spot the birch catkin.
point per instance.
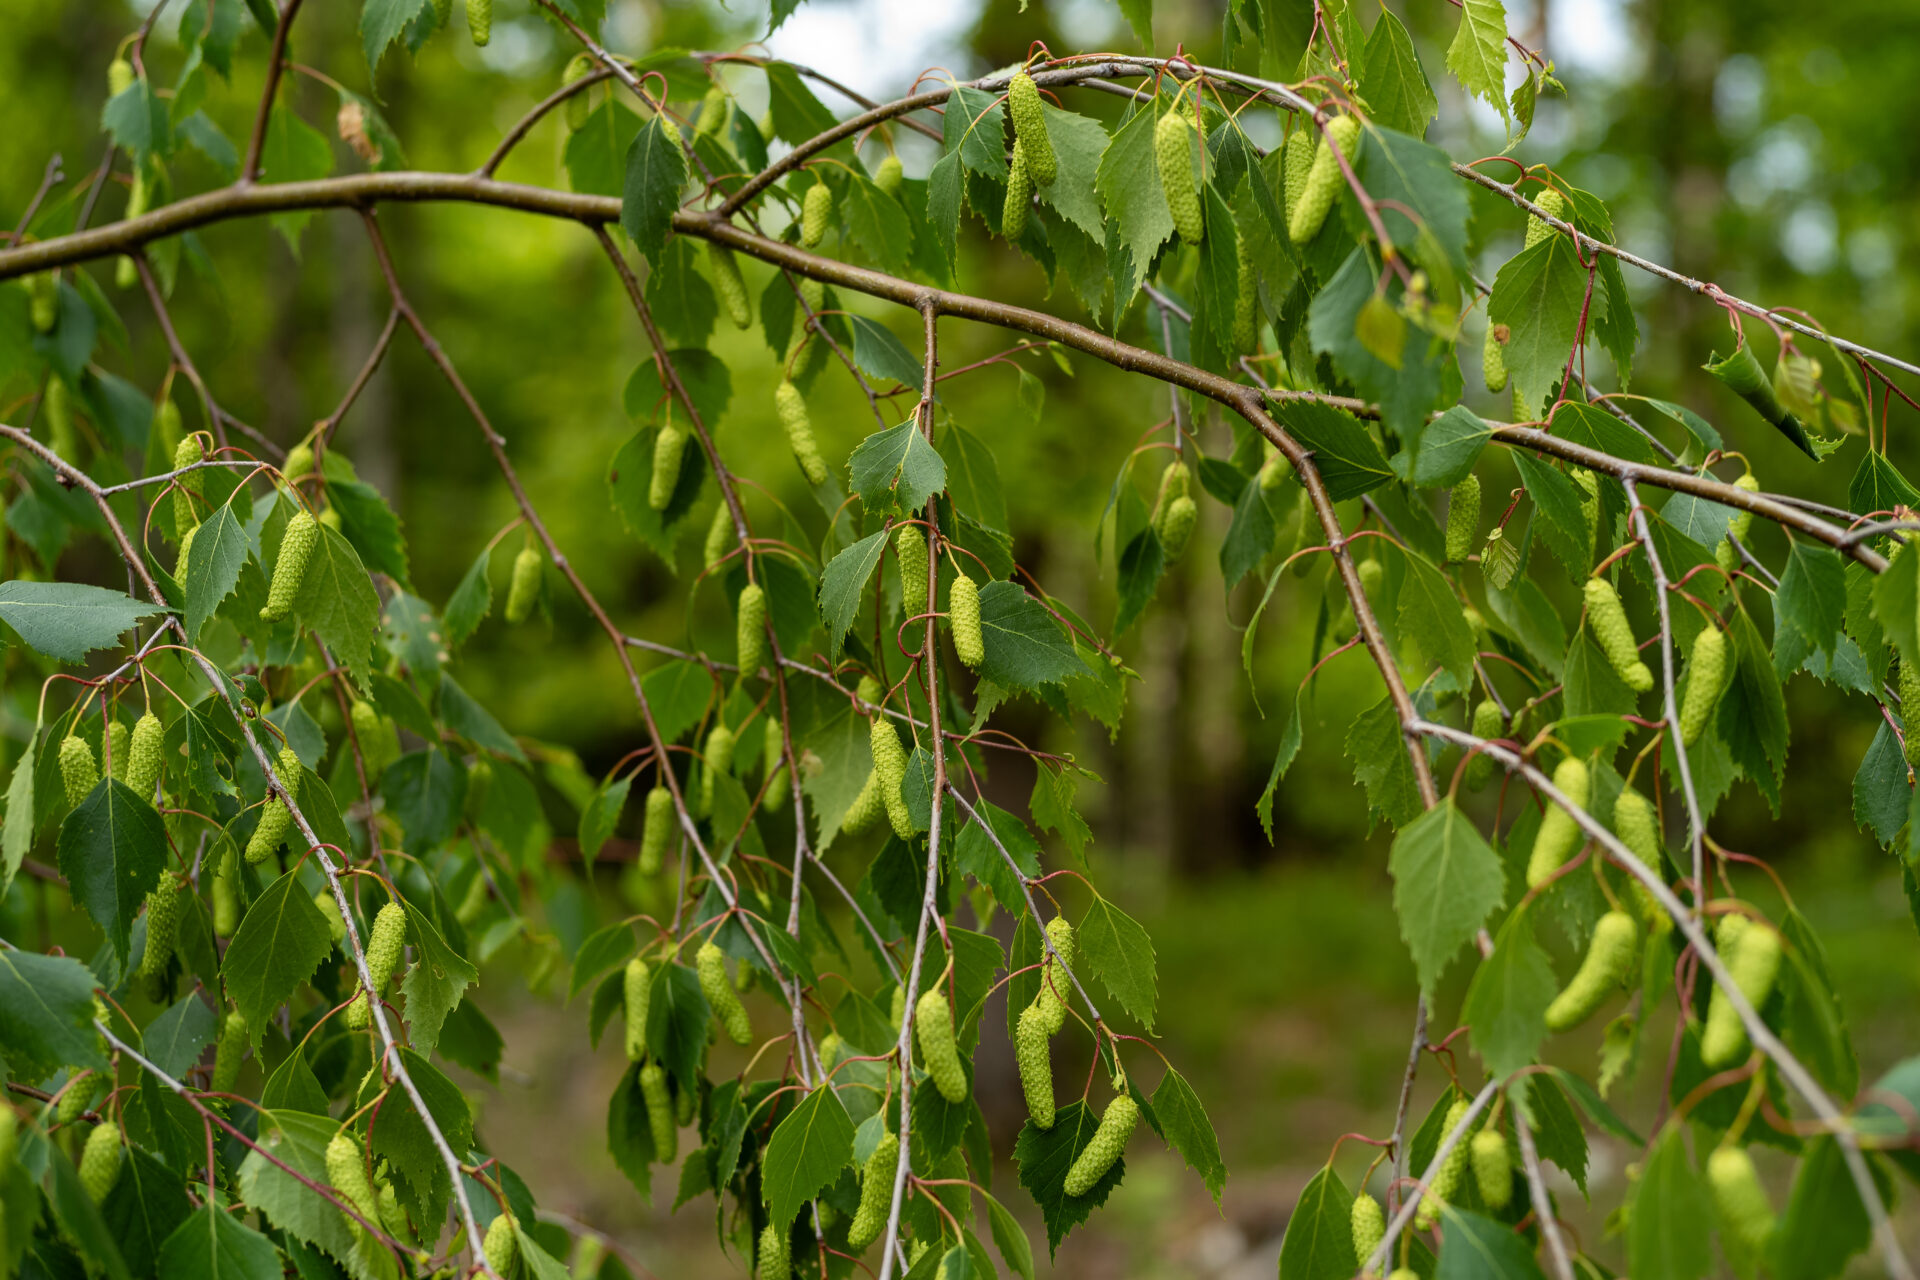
(1030, 128)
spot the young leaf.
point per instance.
(1118, 951)
(68, 620)
(808, 1150)
(112, 849)
(1446, 881)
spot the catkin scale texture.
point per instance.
(653, 1089)
(657, 831)
(79, 772)
(669, 449)
(963, 613)
(1493, 361)
(502, 1245)
(718, 758)
(1369, 1223)
(1492, 1168)
(163, 915)
(144, 755)
(1109, 1140)
(1607, 619)
(791, 407)
(816, 212)
(889, 175)
(1741, 1201)
(1446, 1179)
(710, 963)
(1706, 675)
(1036, 1066)
(1554, 204)
(1559, 835)
(773, 1260)
(228, 1050)
(636, 986)
(750, 639)
(523, 585)
(1751, 951)
(876, 1193)
(1173, 154)
(480, 21)
(1487, 723)
(347, 1174)
(186, 488)
(1463, 518)
(910, 545)
(1052, 998)
(1013, 211)
(889, 772)
(100, 1161)
(1322, 183)
(290, 567)
(939, 1053)
(1030, 128)
(1607, 964)
(727, 280)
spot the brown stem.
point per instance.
(276, 61)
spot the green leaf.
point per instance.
(977, 854)
(1026, 647)
(401, 1135)
(1878, 487)
(1349, 461)
(1380, 763)
(1448, 447)
(280, 942)
(1474, 1247)
(1880, 789)
(1666, 1239)
(293, 151)
(1478, 54)
(797, 114)
(1079, 142)
(1810, 607)
(1010, 1238)
(1184, 1124)
(112, 849)
(656, 170)
(426, 792)
(1562, 524)
(943, 205)
(595, 153)
(221, 547)
(1395, 85)
(1507, 1003)
(16, 836)
(475, 723)
(1406, 391)
(844, 583)
(1433, 617)
(1446, 881)
(877, 223)
(1557, 1130)
(1815, 1027)
(173, 1040)
(1825, 1223)
(434, 981)
(68, 620)
(1753, 711)
(46, 1014)
(897, 468)
(1318, 1244)
(881, 355)
(806, 1153)
(147, 1203)
(1537, 295)
(601, 816)
(381, 23)
(137, 120)
(1399, 169)
(1115, 949)
(299, 1141)
(1896, 602)
(1045, 1155)
(337, 602)
(1129, 182)
(215, 1245)
(1741, 373)
(470, 602)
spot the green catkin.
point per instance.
(1522, 411)
(773, 766)
(523, 585)
(1036, 1067)
(867, 807)
(1174, 512)
(1296, 165)
(125, 274)
(1745, 1212)
(1909, 683)
(816, 212)
(145, 755)
(876, 1193)
(669, 448)
(118, 739)
(1559, 835)
(711, 965)
(1608, 963)
(1493, 358)
(1724, 554)
(1369, 1223)
(729, 284)
(889, 175)
(378, 737)
(76, 1098)
(1013, 212)
(1403, 1273)
(868, 690)
(910, 545)
(79, 772)
(889, 772)
(472, 902)
(502, 1245)
(685, 1104)
(718, 758)
(1463, 519)
(1246, 299)
(1030, 128)
(1492, 1168)
(299, 462)
(1052, 998)
(392, 1217)
(43, 305)
(1322, 183)
(636, 988)
(714, 108)
(1552, 203)
(653, 1088)
(963, 612)
(750, 636)
(1173, 154)
(1589, 486)
(1109, 1140)
(1607, 619)
(275, 820)
(933, 1027)
(163, 915)
(1751, 951)
(1446, 1179)
(772, 1260)
(1486, 724)
(1637, 824)
(897, 1009)
(792, 409)
(57, 409)
(336, 924)
(290, 567)
(189, 487)
(226, 891)
(119, 77)
(720, 539)
(228, 1050)
(480, 21)
(100, 1161)
(1707, 669)
(657, 831)
(385, 942)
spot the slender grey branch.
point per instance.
(1542, 1205)
(1376, 1261)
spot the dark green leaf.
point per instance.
(1447, 880)
(1319, 1241)
(656, 170)
(112, 850)
(280, 942)
(1114, 948)
(68, 620)
(1507, 1003)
